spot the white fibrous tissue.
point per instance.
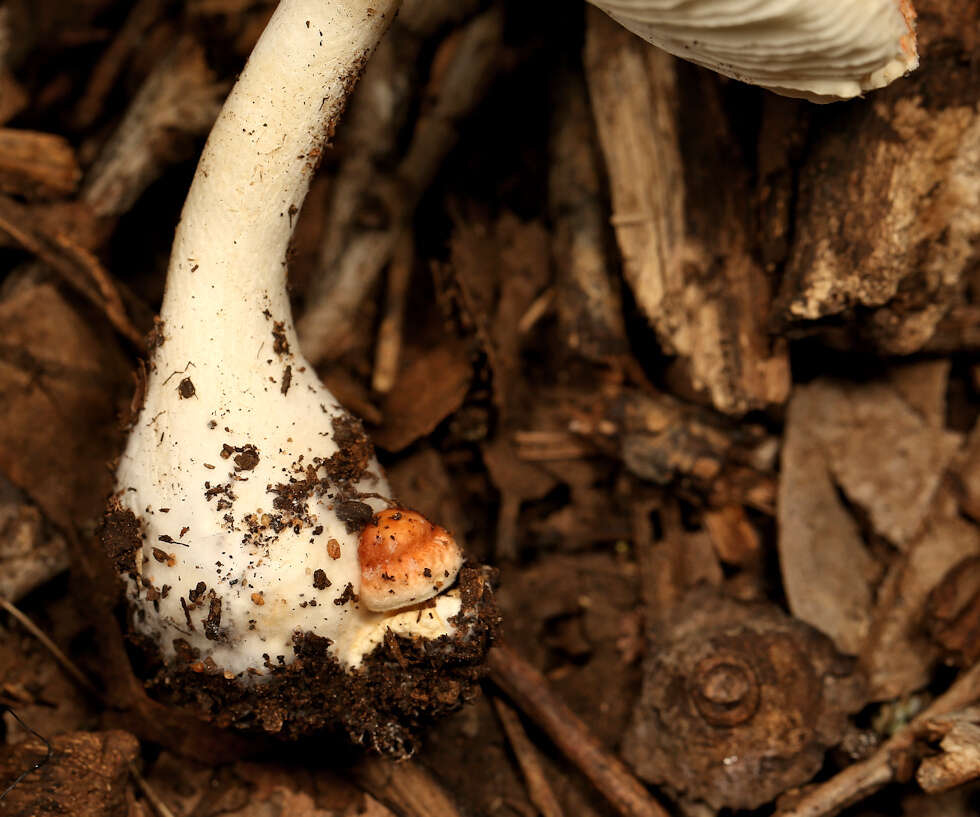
(816, 49)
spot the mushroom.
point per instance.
(816, 49)
(244, 486)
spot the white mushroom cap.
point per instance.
(816, 49)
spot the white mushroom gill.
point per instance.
(817, 49)
(249, 480)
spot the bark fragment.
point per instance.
(682, 231)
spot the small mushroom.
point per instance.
(816, 49)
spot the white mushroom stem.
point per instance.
(816, 49)
(233, 467)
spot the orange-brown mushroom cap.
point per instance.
(405, 559)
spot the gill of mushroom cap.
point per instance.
(820, 50)
(249, 508)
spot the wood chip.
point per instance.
(37, 165)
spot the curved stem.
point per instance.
(229, 253)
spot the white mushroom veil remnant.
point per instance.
(245, 492)
(816, 49)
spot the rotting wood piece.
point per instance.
(682, 230)
(889, 198)
(37, 165)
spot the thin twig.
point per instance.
(538, 788)
(389, 345)
(405, 788)
(37, 764)
(66, 663)
(529, 689)
(79, 268)
(149, 793)
(863, 779)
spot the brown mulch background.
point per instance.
(696, 367)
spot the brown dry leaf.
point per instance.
(86, 776)
(736, 541)
(898, 656)
(500, 267)
(62, 382)
(566, 615)
(517, 481)
(953, 613)
(959, 760)
(76, 265)
(922, 385)
(966, 474)
(827, 571)
(13, 97)
(428, 389)
(30, 552)
(422, 482)
(884, 456)
(37, 165)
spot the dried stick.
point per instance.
(110, 65)
(78, 267)
(529, 689)
(406, 788)
(150, 793)
(589, 306)
(351, 259)
(863, 779)
(389, 342)
(180, 98)
(63, 660)
(534, 777)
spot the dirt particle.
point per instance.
(346, 596)
(354, 451)
(354, 514)
(212, 623)
(247, 458)
(258, 599)
(186, 389)
(121, 537)
(280, 345)
(163, 557)
(320, 580)
(287, 378)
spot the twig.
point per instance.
(529, 689)
(359, 244)
(179, 99)
(66, 663)
(406, 788)
(149, 792)
(538, 788)
(37, 764)
(77, 266)
(110, 64)
(390, 331)
(863, 779)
